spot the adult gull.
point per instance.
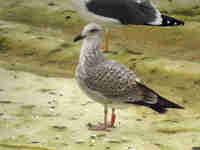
(122, 12)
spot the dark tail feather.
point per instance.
(162, 103)
(161, 106)
(156, 107)
(167, 104)
(169, 21)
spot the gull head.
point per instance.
(90, 31)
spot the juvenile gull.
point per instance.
(111, 83)
(122, 12)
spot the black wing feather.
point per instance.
(126, 11)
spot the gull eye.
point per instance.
(93, 30)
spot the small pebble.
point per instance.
(80, 141)
(89, 125)
(40, 37)
(54, 101)
(93, 141)
(15, 76)
(112, 140)
(124, 140)
(91, 145)
(67, 17)
(51, 4)
(101, 135)
(35, 142)
(52, 93)
(29, 53)
(107, 147)
(144, 116)
(138, 119)
(74, 118)
(52, 108)
(131, 148)
(59, 127)
(93, 136)
(35, 117)
(65, 144)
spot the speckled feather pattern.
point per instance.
(111, 79)
(115, 82)
(108, 81)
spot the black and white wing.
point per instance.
(138, 12)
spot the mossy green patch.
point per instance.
(40, 16)
(4, 45)
(178, 130)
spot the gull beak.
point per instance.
(78, 38)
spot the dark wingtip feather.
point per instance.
(162, 104)
(158, 108)
(170, 21)
(161, 101)
(168, 104)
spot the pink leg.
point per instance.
(101, 127)
(113, 117)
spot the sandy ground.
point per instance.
(52, 113)
(49, 112)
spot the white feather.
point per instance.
(158, 20)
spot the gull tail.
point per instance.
(162, 104)
(170, 21)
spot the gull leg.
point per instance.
(113, 118)
(107, 38)
(106, 41)
(101, 127)
(105, 115)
